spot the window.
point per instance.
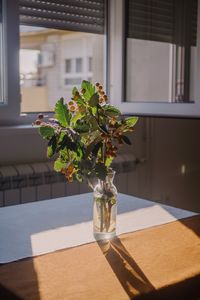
(90, 64)
(160, 41)
(68, 65)
(154, 54)
(58, 42)
(9, 59)
(79, 67)
(52, 36)
(154, 57)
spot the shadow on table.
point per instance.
(192, 223)
(136, 284)
(6, 294)
(131, 277)
(19, 281)
(186, 290)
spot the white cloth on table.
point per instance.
(37, 228)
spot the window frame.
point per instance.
(10, 113)
(117, 45)
(10, 108)
(115, 57)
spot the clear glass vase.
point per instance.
(105, 208)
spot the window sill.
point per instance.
(17, 129)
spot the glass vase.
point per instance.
(105, 208)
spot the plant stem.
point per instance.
(102, 218)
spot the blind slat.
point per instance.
(77, 15)
(156, 20)
(61, 25)
(64, 9)
(61, 16)
(62, 4)
(86, 4)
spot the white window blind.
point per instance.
(75, 15)
(161, 20)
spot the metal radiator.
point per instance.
(38, 181)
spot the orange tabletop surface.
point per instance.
(162, 262)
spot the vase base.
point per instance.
(104, 235)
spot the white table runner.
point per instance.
(41, 227)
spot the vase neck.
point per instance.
(107, 182)
(103, 184)
(109, 178)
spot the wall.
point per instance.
(171, 171)
(168, 150)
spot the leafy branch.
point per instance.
(85, 133)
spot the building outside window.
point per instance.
(68, 65)
(90, 64)
(79, 65)
(155, 59)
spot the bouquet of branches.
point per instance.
(85, 133)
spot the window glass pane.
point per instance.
(68, 65)
(90, 64)
(53, 61)
(79, 65)
(161, 46)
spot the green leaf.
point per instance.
(131, 121)
(79, 177)
(76, 117)
(89, 89)
(92, 145)
(79, 152)
(96, 149)
(64, 155)
(59, 165)
(101, 171)
(62, 113)
(52, 144)
(126, 140)
(108, 161)
(74, 90)
(80, 102)
(111, 111)
(93, 123)
(46, 132)
(82, 127)
(67, 143)
(94, 100)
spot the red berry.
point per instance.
(40, 116)
(38, 122)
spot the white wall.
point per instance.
(166, 145)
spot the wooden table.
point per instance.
(155, 262)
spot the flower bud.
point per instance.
(40, 116)
(72, 108)
(38, 122)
